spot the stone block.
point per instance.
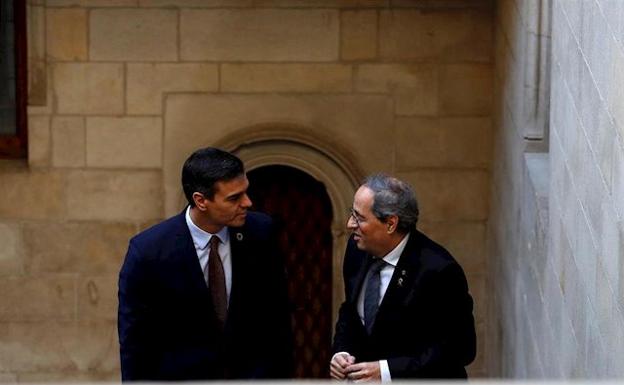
(49, 346)
(358, 34)
(285, 78)
(147, 83)
(66, 34)
(8, 378)
(443, 142)
(88, 376)
(115, 196)
(450, 195)
(322, 3)
(133, 34)
(197, 3)
(91, 3)
(31, 194)
(476, 286)
(459, 80)
(464, 240)
(89, 88)
(259, 35)
(413, 86)
(38, 298)
(12, 250)
(38, 141)
(124, 142)
(78, 247)
(348, 124)
(97, 297)
(445, 35)
(68, 141)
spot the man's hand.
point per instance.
(339, 363)
(364, 372)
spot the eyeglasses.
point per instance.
(356, 217)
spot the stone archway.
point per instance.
(271, 145)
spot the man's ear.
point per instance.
(392, 222)
(200, 201)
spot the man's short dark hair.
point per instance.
(393, 196)
(207, 166)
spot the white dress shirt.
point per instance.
(385, 275)
(201, 240)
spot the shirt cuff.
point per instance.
(385, 371)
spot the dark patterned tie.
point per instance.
(371, 296)
(216, 281)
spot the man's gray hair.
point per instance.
(393, 197)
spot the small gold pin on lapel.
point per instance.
(400, 282)
(239, 236)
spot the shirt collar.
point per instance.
(201, 238)
(393, 256)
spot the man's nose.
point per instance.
(351, 224)
(246, 202)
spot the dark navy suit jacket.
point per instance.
(167, 325)
(424, 326)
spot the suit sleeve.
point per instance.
(132, 315)
(345, 338)
(277, 362)
(453, 339)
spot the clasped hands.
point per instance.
(343, 367)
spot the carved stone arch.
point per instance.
(279, 144)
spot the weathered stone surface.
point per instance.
(444, 35)
(450, 195)
(124, 142)
(414, 86)
(22, 197)
(89, 88)
(37, 298)
(354, 125)
(59, 347)
(133, 34)
(91, 3)
(116, 196)
(464, 240)
(89, 376)
(97, 297)
(459, 80)
(285, 78)
(76, 247)
(38, 141)
(358, 35)
(68, 142)
(259, 35)
(147, 82)
(322, 3)
(197, 3)
(443, 142)
(66, 34)
(12, 250)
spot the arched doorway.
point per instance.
(301, 205)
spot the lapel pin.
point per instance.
(239, 236)
(403, 273)
(400, 282)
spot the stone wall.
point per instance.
(556, 233)
(122, 90)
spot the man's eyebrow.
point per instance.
(356, 212)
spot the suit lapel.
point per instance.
(358, 279)
(238, 253)
(185, 251)
(404, 277)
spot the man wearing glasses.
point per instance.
(407, 311)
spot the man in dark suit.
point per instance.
(203, 294)
(407, 313)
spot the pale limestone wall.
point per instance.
(556, 230)
(123, 90)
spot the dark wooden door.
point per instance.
(302, 207)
